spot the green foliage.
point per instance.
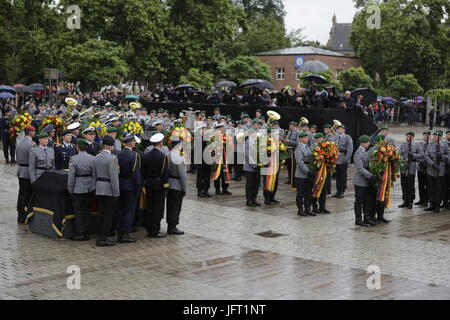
(413, 38)
(96, 63)
(243, 68)
(355, 78)
(404, 85)
(441, 95)
(198, 79)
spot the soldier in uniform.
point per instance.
(203, 181)
(291, 141)
(446, 202)
(304, 127)
(362, 180)
(303, 176)
(328, 135)
(9, 147)
(177, 189)
(217, 116)
(269, 196)
(384, 131)
(80, 184)
(156, 176)
(422, 171)
(42, 158)
(130, 186)
(112, 132)
(64, 151)
(221, 180)
(319, 205)
(36, 123)
(436, 156)
(345, 144)
(411, 154)
(251, 169)
(89, 135)
(74, 131)
(23, 154)
(107, 190)
(50, 130)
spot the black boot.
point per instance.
(256, 203)
(105, 242)
(218, 192)
(403, 205)
(125, 238)
(250, 204)
(358, 216)
(174, 231)
(81, 236)
(201, 194)
(206, 193)
(267, 202)
(273, 200)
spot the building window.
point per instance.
(281, 75)
(298, 75)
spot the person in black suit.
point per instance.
(9, 146)
(89, 135)
(64, 151)
(130, 185)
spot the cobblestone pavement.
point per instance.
(222, 257)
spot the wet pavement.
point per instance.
(233, 252)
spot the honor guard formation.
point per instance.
(123, 159)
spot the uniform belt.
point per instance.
(83, 175)
(177, 178)
(103, 180)
(23, 165)
(42, 168)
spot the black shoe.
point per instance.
(256, 203)
(158, 235)
(309, 213)
(410, 206)
(315, 210)
(429, 209)
(175, 231)
(219, 193)
(267, 202)
(250, 204)
(201, 195)
(13, 161)
(383, 220)
(361, 224)
(105, 243)
(302, 213)
(370, 223)
(337, 194)
(275, 201)
(227, 193)
(80, 237)
(323, 210)
(437, 210)
(125, 238)
(7, 161)
(112, 234)
(419, 203)
(206, 193)
(403, 205)
(341, 196)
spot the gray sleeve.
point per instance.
(183, 178)
(359, 165)
(349, 153)
(417, 154)
(114, 176)
(32, 167)
(428, 159)
(71, 176)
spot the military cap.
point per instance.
(157, 138)
(157, 122)
(384, 128)
(153, 111)
(166, 111)
(380, 138)
(244, 115)
(73, 126)
(87, 130)
(109, 141)
(304, 124)
(223, 117)
(112, 129)
(218, 125)
(42, 135)
(64, 132)
(173, 115)
(82, 142)
(275, 122)
(209, 118)
(160, 110)
(216, 109)
(302, 134)
(36, 112)
(239, 122)
(428, 133)
(259, 110)
(342, 126)
(129, 138)
(438, 133)
(447, 132)
(314, 126)
(410, 134)
(203, 111)
(197, 111)
(364, 139)
(229, 117)
(293, 123)
(48, 128)
(327, 126)
(318, 135)
(30, 128)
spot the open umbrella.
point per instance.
(37, 86)
(6, 95)
(369, 96)
(18, 85)
(313, 66)
(317, 78)
(7, 89)
(225, 83)
(257, 84)
(63, 91)
(132, 97)
(24, 89)
(184, 86)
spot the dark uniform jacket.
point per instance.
(63, 153)
(93, 149)
(130, 170)
(156, 166)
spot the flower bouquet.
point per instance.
(132, 127)
(100, 128)
(323, 163)
(17, 124)
(56, 121)
(384, 163)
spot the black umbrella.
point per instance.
(184, 86)
(225, 83)
(7, 89)
(369, 96)
(257, 84)
(314, 66)
(37, 86)
(63, 91)
(317, 78)
(24, 89)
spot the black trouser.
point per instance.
(363, 201)
(203, 178)
(252, 184)
(304, 194)
(127, 210)
(155, 210)
(174, 204)
(81, 211)
(23, 199)
(9, 149)
(288, 164)
(376, 207)
(323, 197)
(341, 177)
(106, 207)
(408, 189)
(423, 186)
(435, 190)
(221, 181)
(267, 194)
(446, 195)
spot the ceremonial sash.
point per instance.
(319, 181)
(384, 191)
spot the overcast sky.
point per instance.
(315, 16)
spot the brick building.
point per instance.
(284, 63)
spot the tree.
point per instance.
(413, 38)
(296, 37)
(243, 68)
(354, 78)
(95, 63)
(404, 85)
(198, 79)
